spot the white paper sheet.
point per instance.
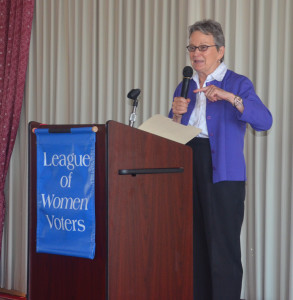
(167, 128)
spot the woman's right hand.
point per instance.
(180, 105)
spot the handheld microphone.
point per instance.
(187, 74)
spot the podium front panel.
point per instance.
(149, 216)
(143, 223)
(62, 277)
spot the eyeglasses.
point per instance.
(201, 48)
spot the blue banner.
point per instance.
(66, 192)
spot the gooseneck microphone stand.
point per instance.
(133, 94)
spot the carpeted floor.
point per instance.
(11, 295)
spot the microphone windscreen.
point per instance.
(133, 94)
(187, 72)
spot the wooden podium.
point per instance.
(144, 241)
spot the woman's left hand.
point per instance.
(214, 93)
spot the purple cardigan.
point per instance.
(227, 126)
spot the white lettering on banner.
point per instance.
(66, 225)
(65, 202)
(67, 182)
(69, 161)
(56, 202)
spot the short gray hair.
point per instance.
(209, 27)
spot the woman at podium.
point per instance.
(221, 103)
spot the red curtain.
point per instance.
(15, 31)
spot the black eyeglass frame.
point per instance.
(201, 48)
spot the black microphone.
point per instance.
(133, 94)
(187, 74)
